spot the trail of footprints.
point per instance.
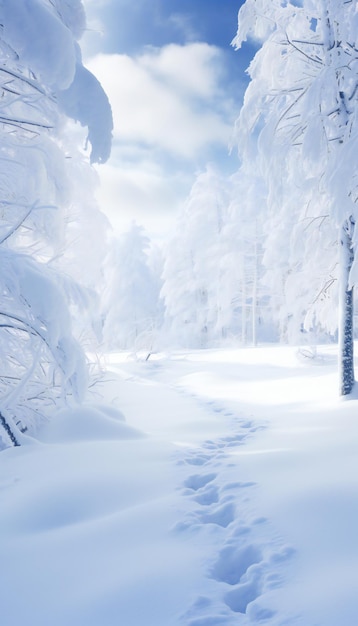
(245, 566)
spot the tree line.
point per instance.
(269, 253)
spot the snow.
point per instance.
(85, 101)
(205, 488)
(86, 423)
(36, 33)
(42, 36)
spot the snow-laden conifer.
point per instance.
(301, 110)
(132, 307)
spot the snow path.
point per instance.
(248, 559)
(228, 498)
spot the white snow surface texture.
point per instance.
(224, 491)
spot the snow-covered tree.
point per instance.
(41, 81)
(242, 269)
(193, 292)
(132, 308)
(301, 110)
(213, 289)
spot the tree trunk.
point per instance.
(345, 324)
(243, 309)
(5, 424)
(254, 291)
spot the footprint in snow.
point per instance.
(246, 592)
(226, 442)
(213, 445)
(234, 439)
(248, 564)
(210, 615)
(234, 561)
(208, 496)
(198, 459)
(222, 515)
(197, 481)
(204, 491)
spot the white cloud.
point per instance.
(166, 98)
(144, 192)
(194, 68)
(171, 115)
(183, 23)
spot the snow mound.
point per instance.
(87, 423)
(109, 411)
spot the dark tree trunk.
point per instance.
(7, 428)
(346, 311)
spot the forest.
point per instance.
(178, 418)
(267, 254)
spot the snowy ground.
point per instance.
(228, 496)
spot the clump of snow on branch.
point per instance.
(43, 366)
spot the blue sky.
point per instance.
(175, 85)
